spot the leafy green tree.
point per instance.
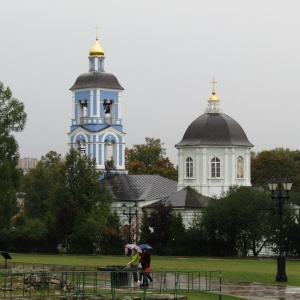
(291, 234)
(145, 230)
(69, 199)
(177, 235)
(160, 220)
(242, 220)
(12, 119)
(82, 197)
(51, 159)
(112, 241)
(195, 240)
(36, 185)
(31, 236)
(149, 158)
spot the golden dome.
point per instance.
(213, 97)
(96, 50)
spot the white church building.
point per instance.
(213, 154)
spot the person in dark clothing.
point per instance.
(145, 261)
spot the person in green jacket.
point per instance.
(135, 258)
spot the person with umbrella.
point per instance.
(145, 261)
(135, 258)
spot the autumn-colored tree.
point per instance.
(149, 158)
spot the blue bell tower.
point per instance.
(96, 125)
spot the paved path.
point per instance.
(255, 290)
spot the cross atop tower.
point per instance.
(214, 82)
(97, 32)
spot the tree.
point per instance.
(242, 220)
(112, 241)
(69, 199)
(278, 162)
(145, 230)
(195, 240)
(160, 220)
(177, 235)
(12, 119)
(149, 158)
(80, 196)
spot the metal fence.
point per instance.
(43, 282)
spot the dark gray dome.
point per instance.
(214, 130)
(97, 80)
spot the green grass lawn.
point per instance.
(250, 269)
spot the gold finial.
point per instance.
(214, 82)
(97, 32)
(96, 50)
(213, 97)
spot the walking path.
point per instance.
(255, 290)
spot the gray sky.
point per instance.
(164, 53)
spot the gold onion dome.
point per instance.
(213, 96)
(96, 50)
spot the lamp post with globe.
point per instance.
(287, 185)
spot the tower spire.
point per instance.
(213, 103)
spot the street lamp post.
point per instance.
(287, 185)
(129, 215)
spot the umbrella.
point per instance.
(133, 246)
(145, 246)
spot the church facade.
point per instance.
(214, 153)
(96, 125)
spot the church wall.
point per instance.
(202, 179)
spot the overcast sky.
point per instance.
(164, 53)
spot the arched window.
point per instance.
(189, 167)
(215, 167)
(240, 167)
(81, 146)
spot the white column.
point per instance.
(98, 103)
(181, 167)
(248, 167)
(233, 169)
(73, 105)
(90, 111)
(226, 166)
(197, 167)
(120, 105)
(116, 154)
(205, 167)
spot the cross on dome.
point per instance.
(97, 28)
(214, 82)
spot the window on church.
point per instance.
(108, 111)
(215, 167)
(189, 167)
(240, 167)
